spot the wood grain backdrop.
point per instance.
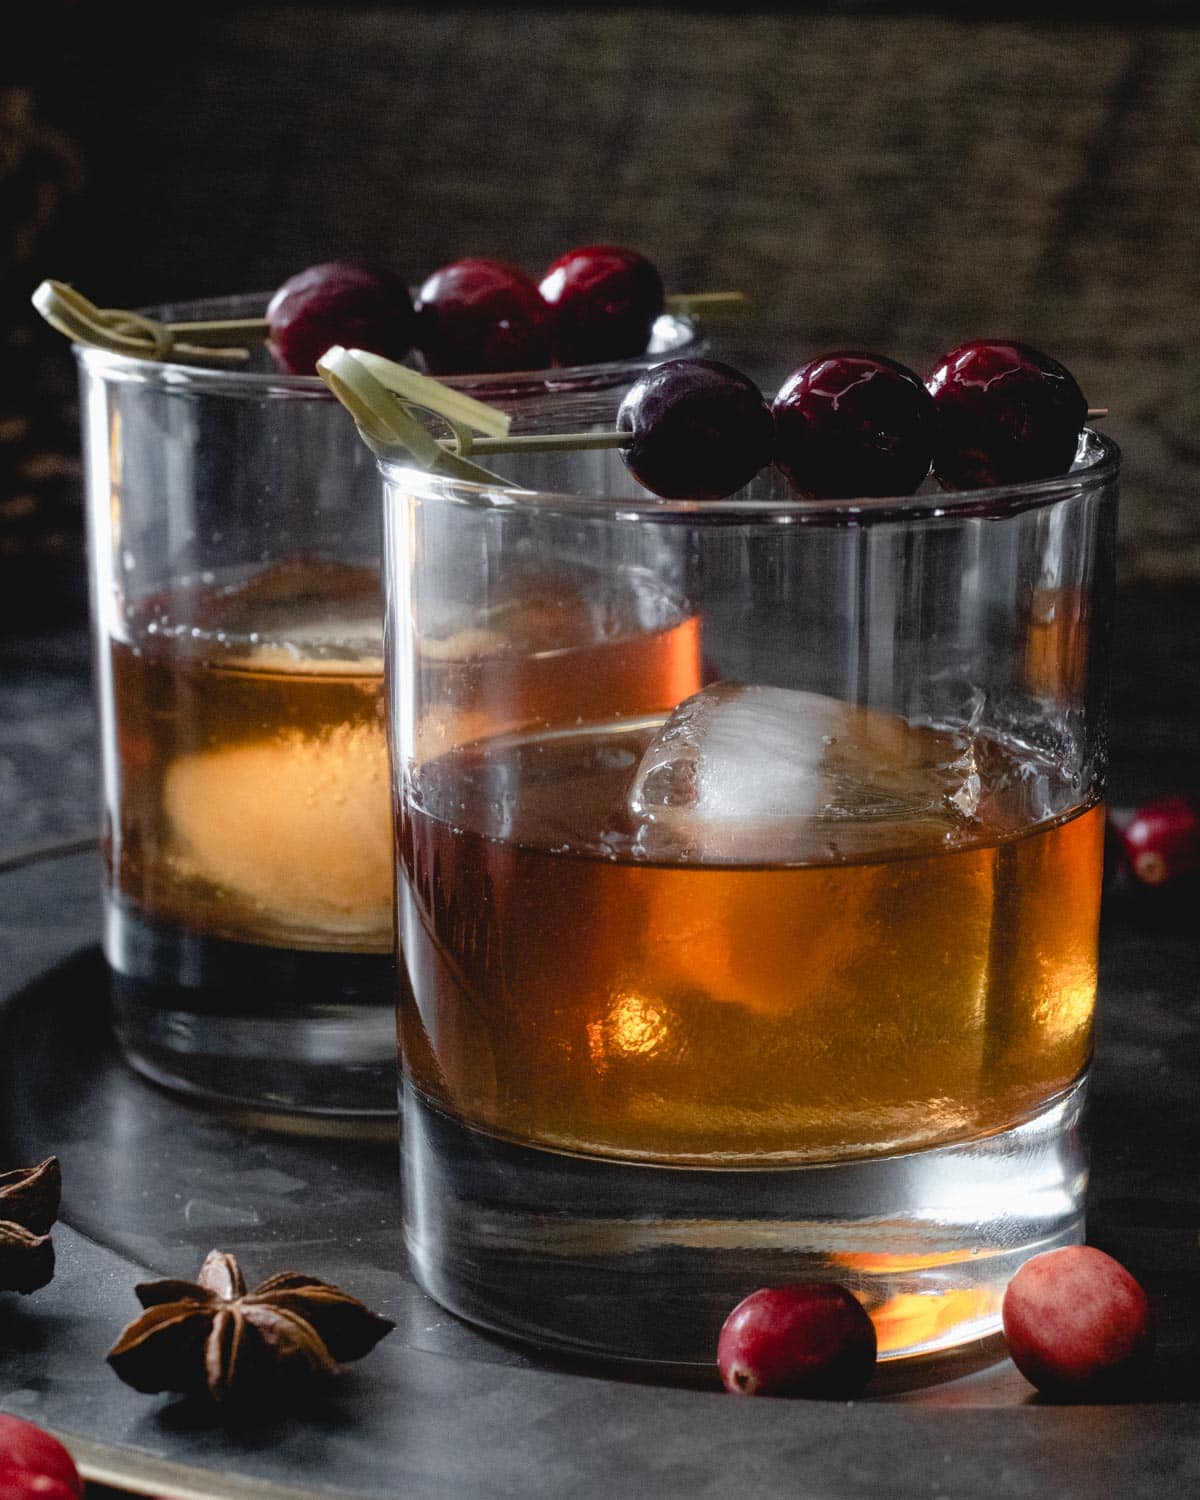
(894, 181)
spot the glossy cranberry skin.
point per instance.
(605, 300)
(1077, 1323)
(1162, 840)
(32, 1463)
(810, 1338)
(699, 430)
(851, 424)
(339, 302)
(483, 317)
(1006, 413)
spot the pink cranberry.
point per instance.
(1162, 840)
(811, 1338)
(1077, 1322)
(34, 1465)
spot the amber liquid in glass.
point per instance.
(250, 760)
(251, 768)
(572, 989)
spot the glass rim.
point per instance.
(1097, 463)
(557, 380)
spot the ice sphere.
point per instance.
(297, 825)
(767, 773)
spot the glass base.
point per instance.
(281, 1029)
(642, 1263)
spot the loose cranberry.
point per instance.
(699, 430)
(850, 424)
(339, 302)
(21, 1484)
(32, 1463)
(605, 300)
(1077, 1322)
(811, 1338)
(1162, 840)
(483, 317)
(1006, 413)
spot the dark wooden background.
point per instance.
(894, 178)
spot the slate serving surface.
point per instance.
(441, 1411)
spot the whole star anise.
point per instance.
(29, 1199)
(213, 1337)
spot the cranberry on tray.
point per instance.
(605, 300)
(850, 423)
(1006, 413)
(1077, 1323)
(698, 430)
(1161, 841)
(483, 317)
(810, 1338)
(339, 302)
(34, 1465)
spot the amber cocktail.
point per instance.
(769, 957)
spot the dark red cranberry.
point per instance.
(849, 424)
(339, 302)
(699, 430)
(1162, 840)
(1006, 413)
(1077, 1323)
(34, 1464)
(483, 317)
(811, 1338)
(605, 300)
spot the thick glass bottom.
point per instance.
(642, 1263)
(281, 1029)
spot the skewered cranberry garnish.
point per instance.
(1162, 840)
(605, 300)
(849, 424)
(1006, 413)
(34, 1465)
(339, 302)
(1077, 1322)
(483, 317)
(698, 430)
(810, 1338)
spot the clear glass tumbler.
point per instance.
(749, 871)
(235, 535)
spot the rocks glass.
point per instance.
(749, 873)
(234, 532)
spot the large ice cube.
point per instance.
(768, 773)
(296, 826)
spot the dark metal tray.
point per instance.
(442, 1412)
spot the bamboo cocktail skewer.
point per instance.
(365, 383)
(127, 332)
(368, 385)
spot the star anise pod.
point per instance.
(213, 1337)
(29, 1199)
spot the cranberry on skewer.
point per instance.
(605, 300)
(850, 424)
(483, 317)
(339, 302)
(697, 430)
(1006, 413)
